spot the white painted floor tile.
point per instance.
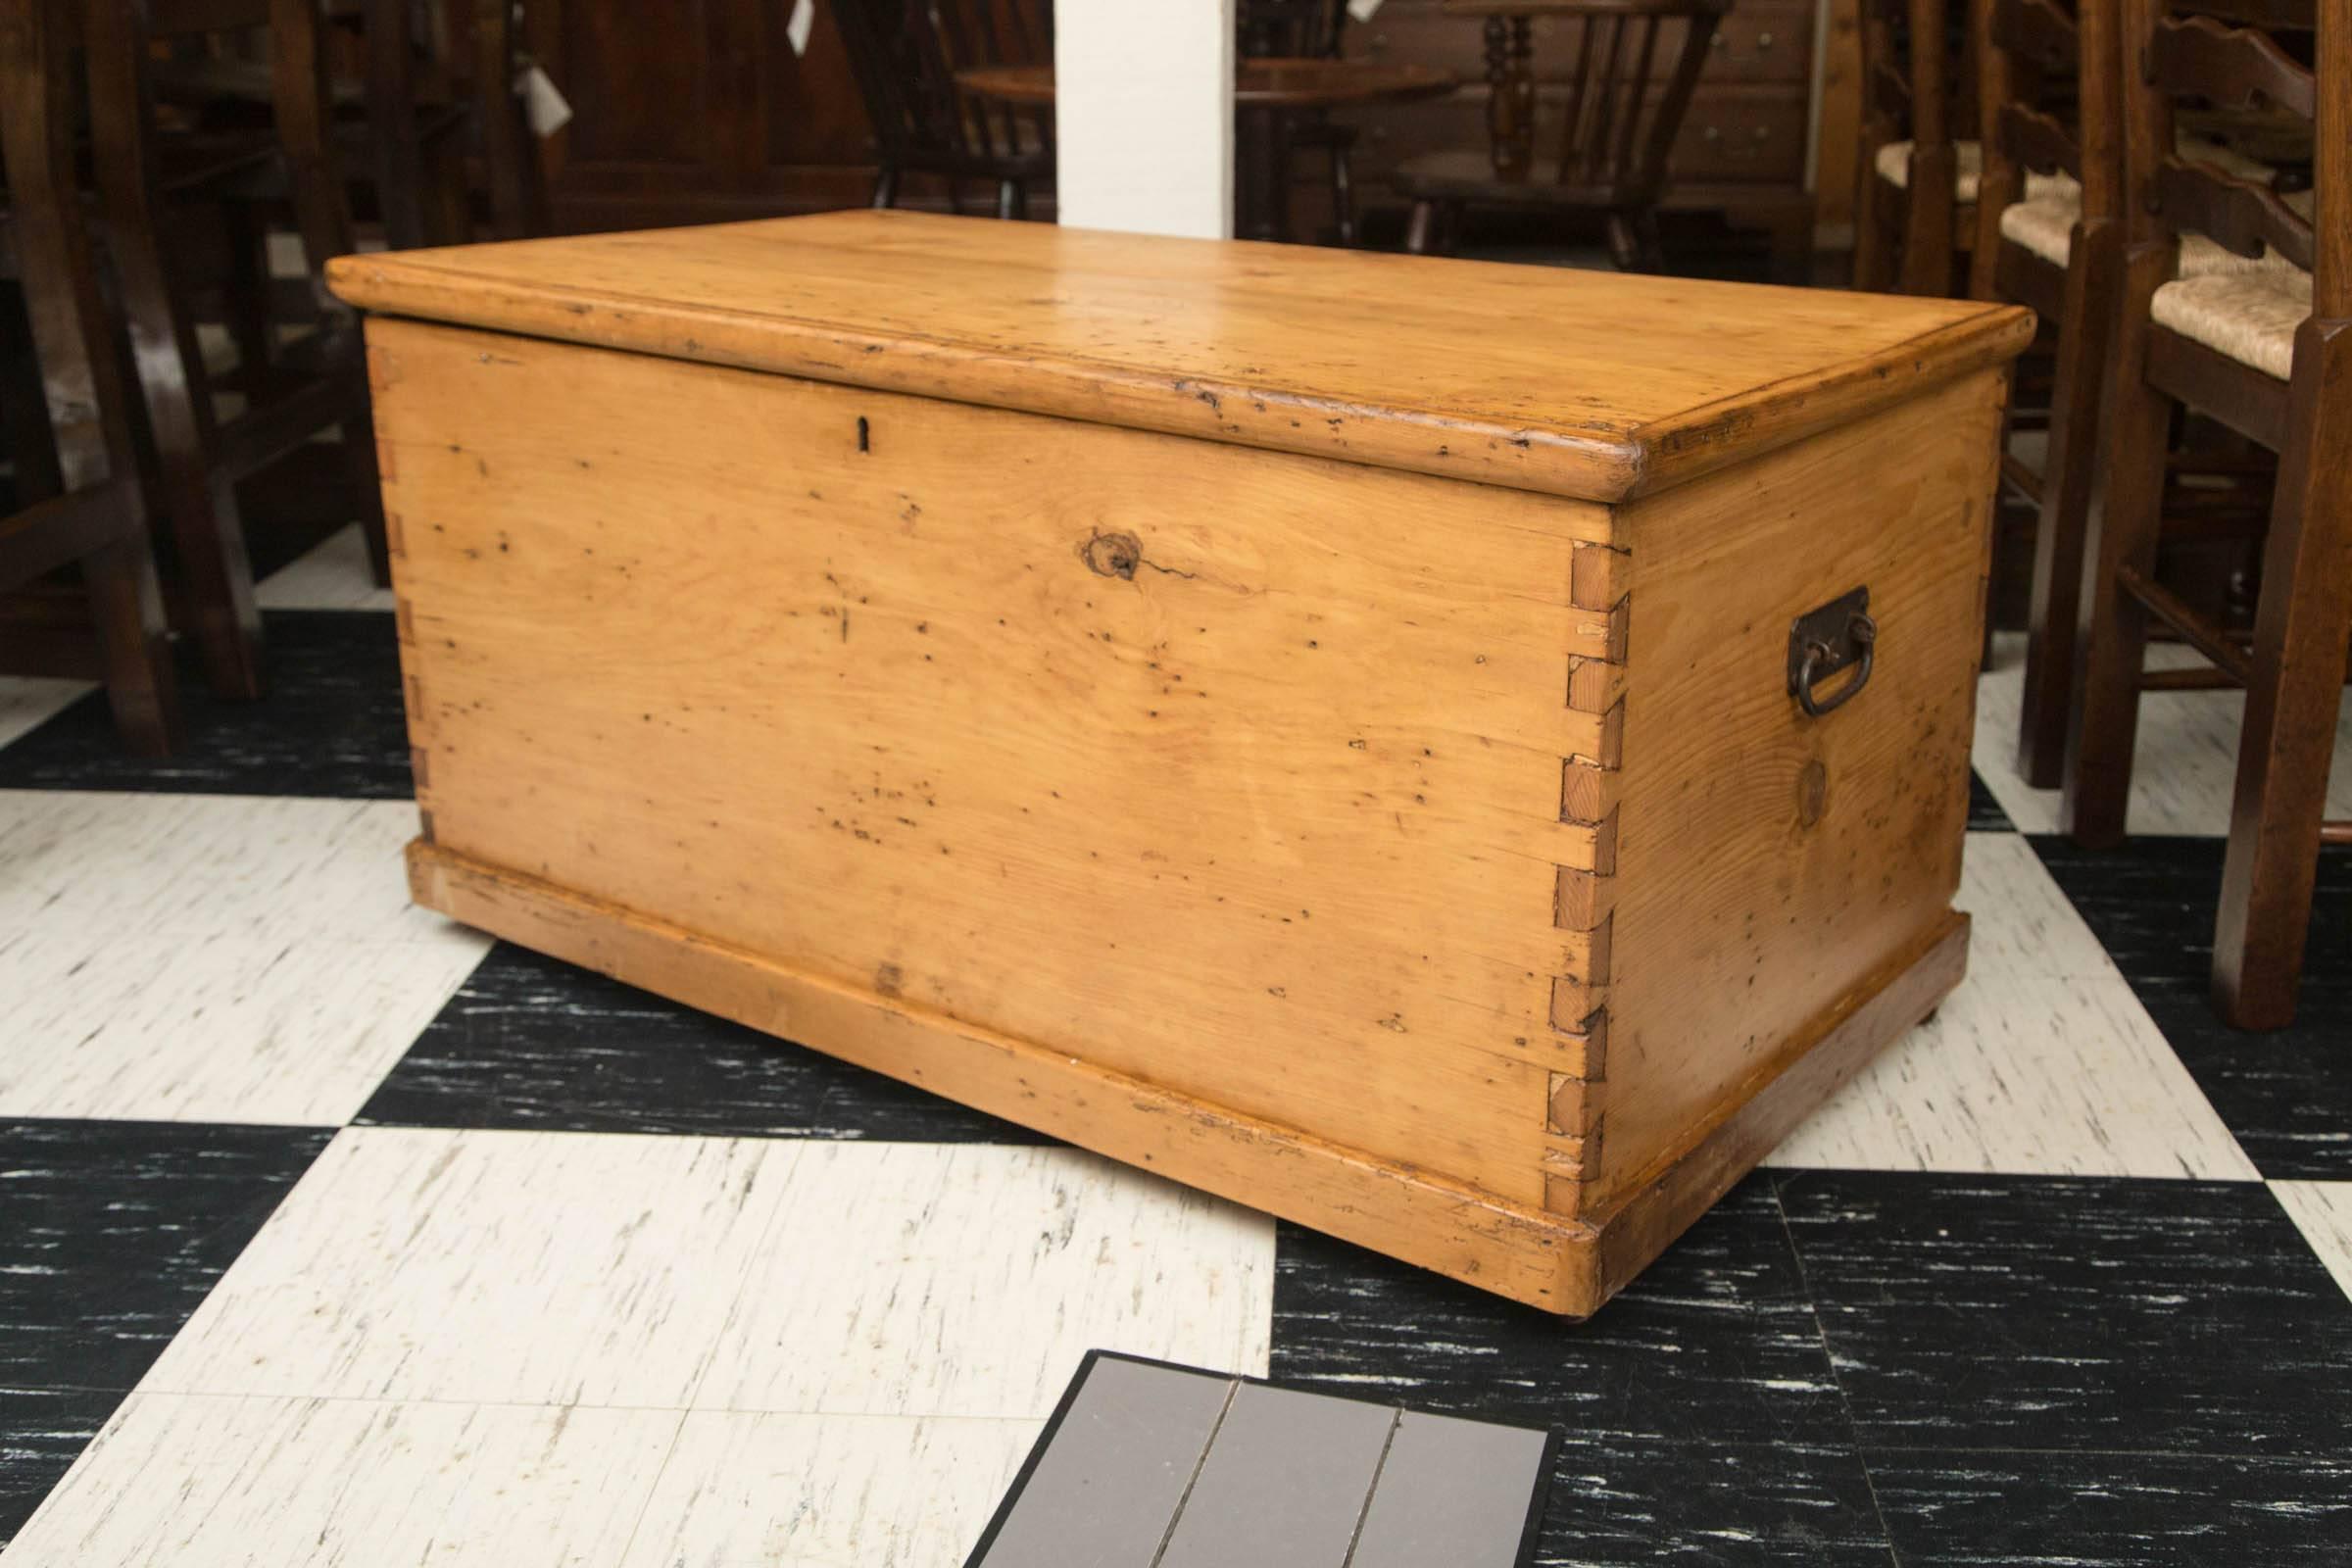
(2184, 768)
(747, 1274)
(970, 1280)
(27, 702)
(265, 867)
(213, 1028)
(210, 957)
(333, 575)
(2042, 1063)
(532, 1268)
(804, 1490)
(2322, 1212)
(209, 1481)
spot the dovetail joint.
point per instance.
(1584, 897)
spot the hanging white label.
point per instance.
(542, 106)
(796, 30)
(1365, 10)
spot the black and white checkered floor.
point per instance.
(332, 1233)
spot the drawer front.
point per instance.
(1196, 761)
(1754, 43)
(1734, 135)
(1742, 134)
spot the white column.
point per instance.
(1144, 115)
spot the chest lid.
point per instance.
(1593, 385)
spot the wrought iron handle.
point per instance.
(1863, 633)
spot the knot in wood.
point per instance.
(1812, 793)
(1112, 555)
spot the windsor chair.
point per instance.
(905, 55)
(1637, 63)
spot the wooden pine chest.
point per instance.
(1318, 725)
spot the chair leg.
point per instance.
(247, 291)
(1871, 196)
(1650, 246)
(1343, 194)
(2068, 476)
(359, 458)
(1927, 267)
(2289, 739)
(23, 408)
(886, 187)
(129, 609)
(1012, 200)
(200, 505)
(2112, 631)
(1624, 247)
(1420, 229)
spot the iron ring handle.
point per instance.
(1865, 633)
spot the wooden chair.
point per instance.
(428, 92)
(2265, 347)
(1916, 185)
(1307, 30)
(2050, 235)
(83, 510)
(905, 55)
(315, 385)
(1615, 137)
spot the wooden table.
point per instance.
(1264, 91)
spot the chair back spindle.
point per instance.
(1614, 137)
(905, 55)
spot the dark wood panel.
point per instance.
(704, 114)
(1761, 40)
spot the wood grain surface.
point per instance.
(1589, 384)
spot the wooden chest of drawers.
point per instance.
(1313, 724)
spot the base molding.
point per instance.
(1559, 1265)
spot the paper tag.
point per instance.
(1363, 9)
(542, 105)
(796, 30)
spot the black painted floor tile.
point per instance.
(1985, 813)
(2287, 1095)
(111, 1233)
(1971, 1312)
(2115, 1510)
(331, 725)
(42, 1432)
(529, 1041)
(1714, 1342)
(1629, 1502)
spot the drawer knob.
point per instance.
(1824, 640)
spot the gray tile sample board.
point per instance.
(1148, 1465)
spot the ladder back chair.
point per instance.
(905, 55)
(2050, 235)
(2264, 346)
(1915, 180)
(83, 510)
(315, 385)
(1636, 64)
